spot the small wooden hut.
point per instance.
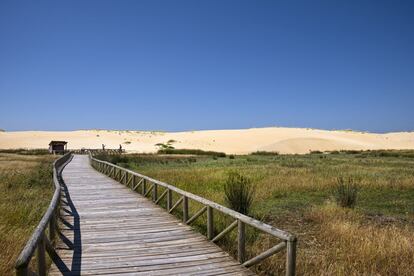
(57, 147)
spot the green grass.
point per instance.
(295, 192)
(26, 190)
(291, 181)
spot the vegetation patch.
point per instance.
(191, 152)
(297, 193)
(26, 190)
(265, 153)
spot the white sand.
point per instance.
(283, 140)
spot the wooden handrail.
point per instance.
(38, 238)
(98, 151)
(289, 240)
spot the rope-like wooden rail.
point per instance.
(135, 180)
(39, 241)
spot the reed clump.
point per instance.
(346, 192)
(239, 192)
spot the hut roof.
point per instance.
(58, 143)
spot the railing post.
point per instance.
(210, 220)
(144, 186)
(52, 226)
(155, 192)
(22, 271)
(133, 181)
(291, 258)
(41, 257)
(241, 241)
(169, 200)
(185, 209)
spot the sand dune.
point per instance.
(283, 140)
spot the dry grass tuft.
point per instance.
(353, 246)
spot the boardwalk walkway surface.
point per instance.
(108, 229)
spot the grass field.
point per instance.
(26, 190)
(296, 193)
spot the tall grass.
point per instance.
(26, 190)
(238, 192)
(346, 192)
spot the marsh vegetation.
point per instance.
(353, 212)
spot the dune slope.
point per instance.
(283, 140)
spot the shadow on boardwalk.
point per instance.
(69, 213)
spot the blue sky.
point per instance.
(187, 65)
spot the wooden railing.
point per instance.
(98, 151)
(39, 241)
(149, 187)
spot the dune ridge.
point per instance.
(239, 141)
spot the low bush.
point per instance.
(265, 153)
(351, 151)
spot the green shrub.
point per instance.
(162, 146)
(266, 153)
(231, 156)
(114, 159)
(351, 151)
(346, 192)
(238, 192)
(191, 151)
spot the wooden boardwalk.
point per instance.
(108, 229)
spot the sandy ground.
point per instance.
(282, 140)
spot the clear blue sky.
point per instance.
(186, 65)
